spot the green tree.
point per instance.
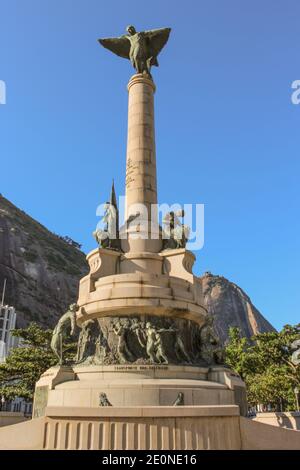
(271, 387)
(24, 365)
(238, 353)
(264, 363)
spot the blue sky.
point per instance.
(227, 133)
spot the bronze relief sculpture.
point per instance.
(147, 339)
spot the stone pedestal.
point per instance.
(48, 381)
(130, 284)
(146, 428)
(136, 386)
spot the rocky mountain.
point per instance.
(43, 271)
(231, 306)
(41, 268)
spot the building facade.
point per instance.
(7, 324)
(7, 342)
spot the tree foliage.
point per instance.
(24, 365)
(264, 363)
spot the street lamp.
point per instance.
(2, 402)
(296, 391)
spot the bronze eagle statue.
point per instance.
(141, 48)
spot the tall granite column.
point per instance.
(141, 187)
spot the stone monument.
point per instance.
(148, 372)
(146, 339)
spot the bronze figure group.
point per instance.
(143, 339)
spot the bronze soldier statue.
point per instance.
(64, 329)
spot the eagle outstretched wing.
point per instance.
(120, 46)
(156, 40)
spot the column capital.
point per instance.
(140, 78)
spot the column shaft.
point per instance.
(141, 186)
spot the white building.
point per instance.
(7, 324)
(7, 342)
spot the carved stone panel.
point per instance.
(40, 401)
(145, 339)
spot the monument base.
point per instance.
(69, 414)
(137, 386)
(146, 428)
